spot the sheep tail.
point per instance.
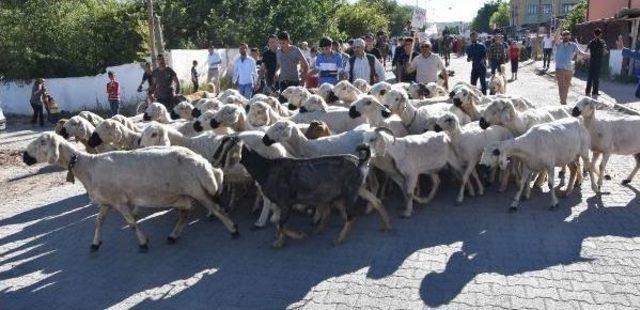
(211, 179)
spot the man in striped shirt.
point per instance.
(113, 93)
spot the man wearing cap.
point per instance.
(289, 56)
(565, 51)
(369, 48)
(427, 65)
(363, 66)
(328, 64)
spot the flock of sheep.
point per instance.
(323, 149)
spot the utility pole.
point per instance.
(152, 37)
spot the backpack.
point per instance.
(372, 68)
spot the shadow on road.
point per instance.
(206, 269)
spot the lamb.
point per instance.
(326, 92)
(295, 96)
(231, 116)
(362, 85)
(429, 90)
(502, 112)
(469, 143)
(474, 105)
(261, 114)
(127, 122)
(156, 111)
(204, 105)
(81, 129)
(541, 148)
(272, 102)
(377, 115)
(609, 135)
(337, 118)
(116, 134)
(317, 103)
(93, 118)
(498, 82)
(287, 182)
(346, 92)
(407, 154)
(289, 135)
(145, 177)
(228, 92)
(418, 120)
(240, 101)
(379, 89)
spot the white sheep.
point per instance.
(501, 111)
(377, 115)
(428, 90)
(295, 96)
(317, 103)
(272, 102)
(337, 118)
(116, 134)
(82, 130)
(326, 92)
(127, 122)
(362, 85)
(408, 154)
(228, 92)
(156, 111)
(474, 105)
(150, 177)
(93, 118)
(609, 135)
(542, 148)
(469, 142)
(261, 114)
(346, 92)
(498, 81)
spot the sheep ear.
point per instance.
(53, 153)
(164, 139)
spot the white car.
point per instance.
(3, 121)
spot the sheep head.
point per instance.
(380, 89)
(109, 131)
(346, 92)
(156, 111)
(45, 148)
(499, 112)
(362, 85)
(204, 121)
(184, 110)
(279, 132)
(369, 106)
(227, 116)
(326, 92)
(77, 127)
(494, 154)
(396, 100)
(585, 106)
(314, 103)
(261, 114)
(317, 129)
(155, 134)
(378, 140)
(296, 96)
(447, 122)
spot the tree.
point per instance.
(576, 16)
(500, 18)
(358, 19)
(480, 23)
(397, 14)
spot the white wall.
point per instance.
(89, 92)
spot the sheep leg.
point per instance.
(504, 179)
(603, 165)
(348, 224)
(524, 181)
(264, 215)
(97, 235)
(561, 176)
(540, 180)
(214, 208)
(574, 171)
(183, 215)
(475, 175)
(635, 170)
(589, 166)
(259, 196)
(377, 204)
(463, 183)
(409, 188)
(551, 180)
(435, 180)
(136, 212)
(324, 217)
(128, 217)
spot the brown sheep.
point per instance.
(316, 130)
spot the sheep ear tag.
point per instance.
(72, 163)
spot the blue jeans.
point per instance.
(246, 90)
(115, 107)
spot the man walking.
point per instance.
(476, 54)
(245, 74)
(547, 49)
(597, 48)
(113, 93)
(497, 55)
(214, 67)
(370, 48)
(270, 61)
(194, 76)
(329, 63)
(427, 65)
(289, 57)
(401, 61)
(164, 78)
(363, 66)
(565, 51)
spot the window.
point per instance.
(546, 8)
(567, 7)
(532, 9)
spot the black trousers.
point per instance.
(284, 84)
(196, 85)
(37, 113)
(594, 78)
(546, 57)
(479, 73)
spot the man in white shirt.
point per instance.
(363, 66)
(547, 49)
(214, 67)
(245, 74)
(427, 65)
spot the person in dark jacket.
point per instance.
(477, 55)
(597, 48)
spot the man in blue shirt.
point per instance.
(565, 51)
(477, 54)
(626, 52)
(328, 63)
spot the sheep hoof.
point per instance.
(513, 209)
(405, 215)
(171, 240)
(336, 243)
(236, 233)
(257, 227)
(607, 177)
(95, 247)
(143, 248)
(626, 181)
(554, 207)
(458, 203)
(211, 217)
(278, 243)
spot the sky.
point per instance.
(438, 10)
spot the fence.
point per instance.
(89, 92)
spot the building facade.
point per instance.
(530, 13)
(599, 9)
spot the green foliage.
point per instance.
(500, 18)
(70, 38)
(481, 22)
(360, 18)
(397, 14)
(576, 16)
